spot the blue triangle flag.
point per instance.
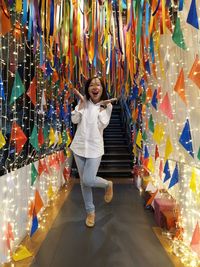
(142, 83)
(186, 139)
(146, 153)
(152, 49)
(192, 15)
(154, 100)
(135, 93)
(2, 95)
(51, 111)
(174, 179)
(147, 67)
(166, 171)
(48, 69)
(181, 2)
(34, 225)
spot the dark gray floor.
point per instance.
(122, 236)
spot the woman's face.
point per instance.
(95, 90)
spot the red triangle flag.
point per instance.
(40, 137)
(66, 173)
(40, 168)
(32, 91)
(62, 157)
(9, 235)
(165, 107)
(45, 168)
(156, 153)
(18, 137)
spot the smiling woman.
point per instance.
(88, 145)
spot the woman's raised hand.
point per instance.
(81, 97)
(108, 101)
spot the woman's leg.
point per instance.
(86, 190)
(90, 171)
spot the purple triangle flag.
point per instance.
(186, 139)
(192, 15)
(175, 175)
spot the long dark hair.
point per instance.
(87, 84)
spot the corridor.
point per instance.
(122, 236)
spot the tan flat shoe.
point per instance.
(90, 219)
(109, 192)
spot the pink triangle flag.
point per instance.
(165, 107)
(196, 236)
(195, 242)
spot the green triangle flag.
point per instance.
(18, 88)
(151, 124)
(34, 174)
(34, 139)
(198, 156)
(46, 133)
(64, 137)
(144, 136)
(178, 35)
(144, 97)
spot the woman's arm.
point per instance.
(76, 114)
(79, 109)
(104, 116)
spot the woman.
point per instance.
(92, 114)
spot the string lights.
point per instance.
(145, 51)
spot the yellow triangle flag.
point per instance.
(134, 150)
(168, 148)
(193, 185)
(59, 138)
(2, 140)
(18, 6)
(21, 253)
(68, 139)
(159, 133)
(150, 165)
(50, 191)
(139, 139)
(52, 137)
(68, 152)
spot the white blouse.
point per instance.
(88, 139)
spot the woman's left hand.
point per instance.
(108, 101)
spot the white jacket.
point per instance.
(88, 139)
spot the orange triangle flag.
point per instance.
(5, 19)
(149, 202)
(38, 202)
(180, 86)
(194, 74)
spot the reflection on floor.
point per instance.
(122, 237)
